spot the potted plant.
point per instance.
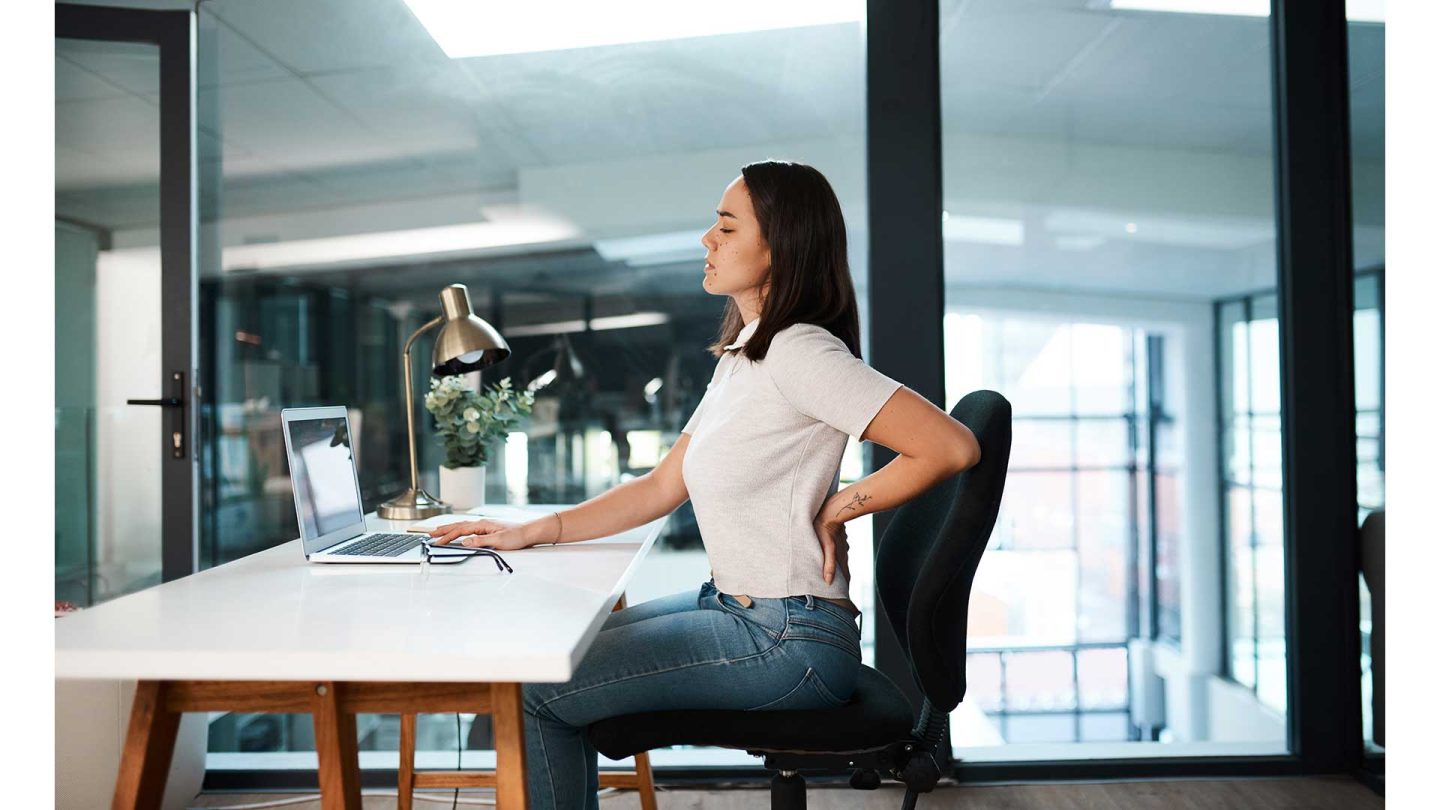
(468, 423)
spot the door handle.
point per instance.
(176, 442)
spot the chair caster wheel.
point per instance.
(865, 779)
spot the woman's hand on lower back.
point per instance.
(836, 549)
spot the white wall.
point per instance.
(1236, 714)
(129, 437)
(91, 719)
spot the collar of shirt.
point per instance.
(745, 333)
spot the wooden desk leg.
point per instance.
(407, 762)
(149, 745)
(508, 711)
(338, 750)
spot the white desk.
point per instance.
(271, 632)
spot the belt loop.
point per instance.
(809, 601)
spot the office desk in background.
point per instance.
(273, 633)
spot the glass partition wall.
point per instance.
(1108, 178)
(108, 478)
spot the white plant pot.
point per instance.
(462, 487)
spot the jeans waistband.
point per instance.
(804, 601)
(812, 602)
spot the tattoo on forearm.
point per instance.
(857, 500)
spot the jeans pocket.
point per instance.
(806, 626)
(810, 693)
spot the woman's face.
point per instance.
(737, 257)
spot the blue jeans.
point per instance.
(688, 650)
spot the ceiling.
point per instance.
(338, 116)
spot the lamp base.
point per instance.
(412, 504)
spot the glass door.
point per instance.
(124, 278)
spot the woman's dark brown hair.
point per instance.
(800, 220)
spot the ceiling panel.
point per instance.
(338, 102)
(74, 83)
(432, 107)
(131, 66)
(235, 59)
(116, 129)
(1015, 45)
(700, 93)
(293, 126)
(1171, 60)
(320, 36)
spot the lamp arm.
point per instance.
(410, 400)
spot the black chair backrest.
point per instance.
(926, 560)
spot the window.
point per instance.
(1255, 558)
(1108, 178)
(1060, 592)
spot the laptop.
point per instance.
(327, 495)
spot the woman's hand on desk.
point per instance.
(501, 535)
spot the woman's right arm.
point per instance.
(622, 507)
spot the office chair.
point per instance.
(924, 567)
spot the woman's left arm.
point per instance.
(931, 446)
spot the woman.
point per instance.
(774, 627)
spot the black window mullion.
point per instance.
(1315, 258)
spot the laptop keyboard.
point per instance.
(382, 545)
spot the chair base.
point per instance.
(907, 763)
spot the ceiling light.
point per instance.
(631, 321)
(1355, 10)
(659, 248)
(984, 230)
(1223, 233)
(510, 225)
(464, 28)
(1078, 242)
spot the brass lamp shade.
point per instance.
(465, 343)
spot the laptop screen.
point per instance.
(322, 470)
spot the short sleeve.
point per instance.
(819, 376)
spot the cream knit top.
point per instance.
(764, 455)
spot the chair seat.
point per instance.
(876, 715)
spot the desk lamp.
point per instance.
(465, 343)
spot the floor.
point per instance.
(1310, 793)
